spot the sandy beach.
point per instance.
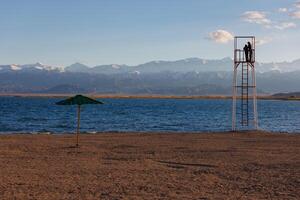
(150, 166)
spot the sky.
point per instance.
(94, 32)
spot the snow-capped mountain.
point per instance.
(279, 66)
(29, 67)
(7, 68)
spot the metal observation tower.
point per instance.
(244, 98)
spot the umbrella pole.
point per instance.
(78, 125)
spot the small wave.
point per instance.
(30, 119)
(41, 133)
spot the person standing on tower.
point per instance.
(250, 52)
(246, 51)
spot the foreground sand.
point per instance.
(150, 166)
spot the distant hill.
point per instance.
(287, 95)
(77, 67)
(63, 89)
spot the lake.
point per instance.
(34, 115)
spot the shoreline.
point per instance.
(229, 132)
(124, 96)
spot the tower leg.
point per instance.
(234, 93)
(255, 117)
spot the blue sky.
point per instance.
(61, 32)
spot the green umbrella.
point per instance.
(78, 100)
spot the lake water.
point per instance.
(34, 115)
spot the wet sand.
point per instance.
(150, 166)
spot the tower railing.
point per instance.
(239, 56)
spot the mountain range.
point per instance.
(191, 76)
(184, 65)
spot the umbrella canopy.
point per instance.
(78, 100)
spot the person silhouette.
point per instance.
(246, 51)
(250, 51)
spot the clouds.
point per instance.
(220, 36)
(282, 10)
(259, 17)
(297, 4)
(295, 14)
(280, 19)
(223, 37)
(256, 17)
(263, 41)
(285, 25)
(262, 18)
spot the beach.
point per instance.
(246, 165)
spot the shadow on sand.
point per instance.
(186, 164)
